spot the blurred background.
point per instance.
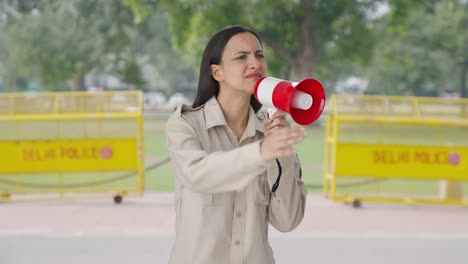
(372, 47)
(120, 56)
(386, 47)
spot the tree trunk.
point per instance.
(463, 79)
(308, 53)
(10, 85)
(78, 83)
(132, 87)
(14, 85)
(464, 68)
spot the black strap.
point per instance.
(280, 171)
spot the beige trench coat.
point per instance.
(223, 189)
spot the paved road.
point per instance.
(154, 247)
(141, 231)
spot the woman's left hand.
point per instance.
(276, 121)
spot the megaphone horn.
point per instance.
(304, 100)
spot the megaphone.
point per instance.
(304, 100)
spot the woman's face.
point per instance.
(242, 64)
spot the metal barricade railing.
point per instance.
(396, 149)
(71, 145)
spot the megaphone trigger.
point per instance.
(270, 111)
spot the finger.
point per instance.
(286, 142)
(296, 137)
(288, 137)
(266, 124)
(278, 123)
(284, 152)
(273, 123)
(295, 140)
(267, 121)
(297, 130)
(278, 131)
(284, 123)
(278, 114)
(289, 131)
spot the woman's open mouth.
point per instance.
(254, 76)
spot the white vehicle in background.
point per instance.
(154, 100)
(178, 99)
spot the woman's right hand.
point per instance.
(279, 142)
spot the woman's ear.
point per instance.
(216, 72)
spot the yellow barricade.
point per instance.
(71, 145)
(396, 149)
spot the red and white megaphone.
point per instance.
(304, 100)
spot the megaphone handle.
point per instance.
(271, 111)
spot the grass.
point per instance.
(310, 151)
(161, 179)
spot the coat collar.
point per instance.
(214, 117)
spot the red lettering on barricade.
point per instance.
(436, 158)
(391, 157)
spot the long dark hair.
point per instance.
(207, 85)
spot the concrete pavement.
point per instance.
(141, 230)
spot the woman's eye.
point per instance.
(243, 57)
(260, 55)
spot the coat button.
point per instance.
(238, 214)
(237, 243)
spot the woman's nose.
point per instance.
(254, 63)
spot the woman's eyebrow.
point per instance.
(242, 52)
(247, 52)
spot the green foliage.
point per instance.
(65, 39)
(416, 48)
(140, 9)
(174, 72)
(132, 74)
(421, 59)
(304, 36)
(56, 41)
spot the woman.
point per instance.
(228, 164)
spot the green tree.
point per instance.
(172, 69)
(420, 54)
(7, 74)
(140, 8)
(10, 74)
(304, 37)
(61, 40)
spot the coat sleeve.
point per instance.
(287, 203)
(221, 171)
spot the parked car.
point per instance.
(153, 98)
(178, 99)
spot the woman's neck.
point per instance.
(236, 112)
